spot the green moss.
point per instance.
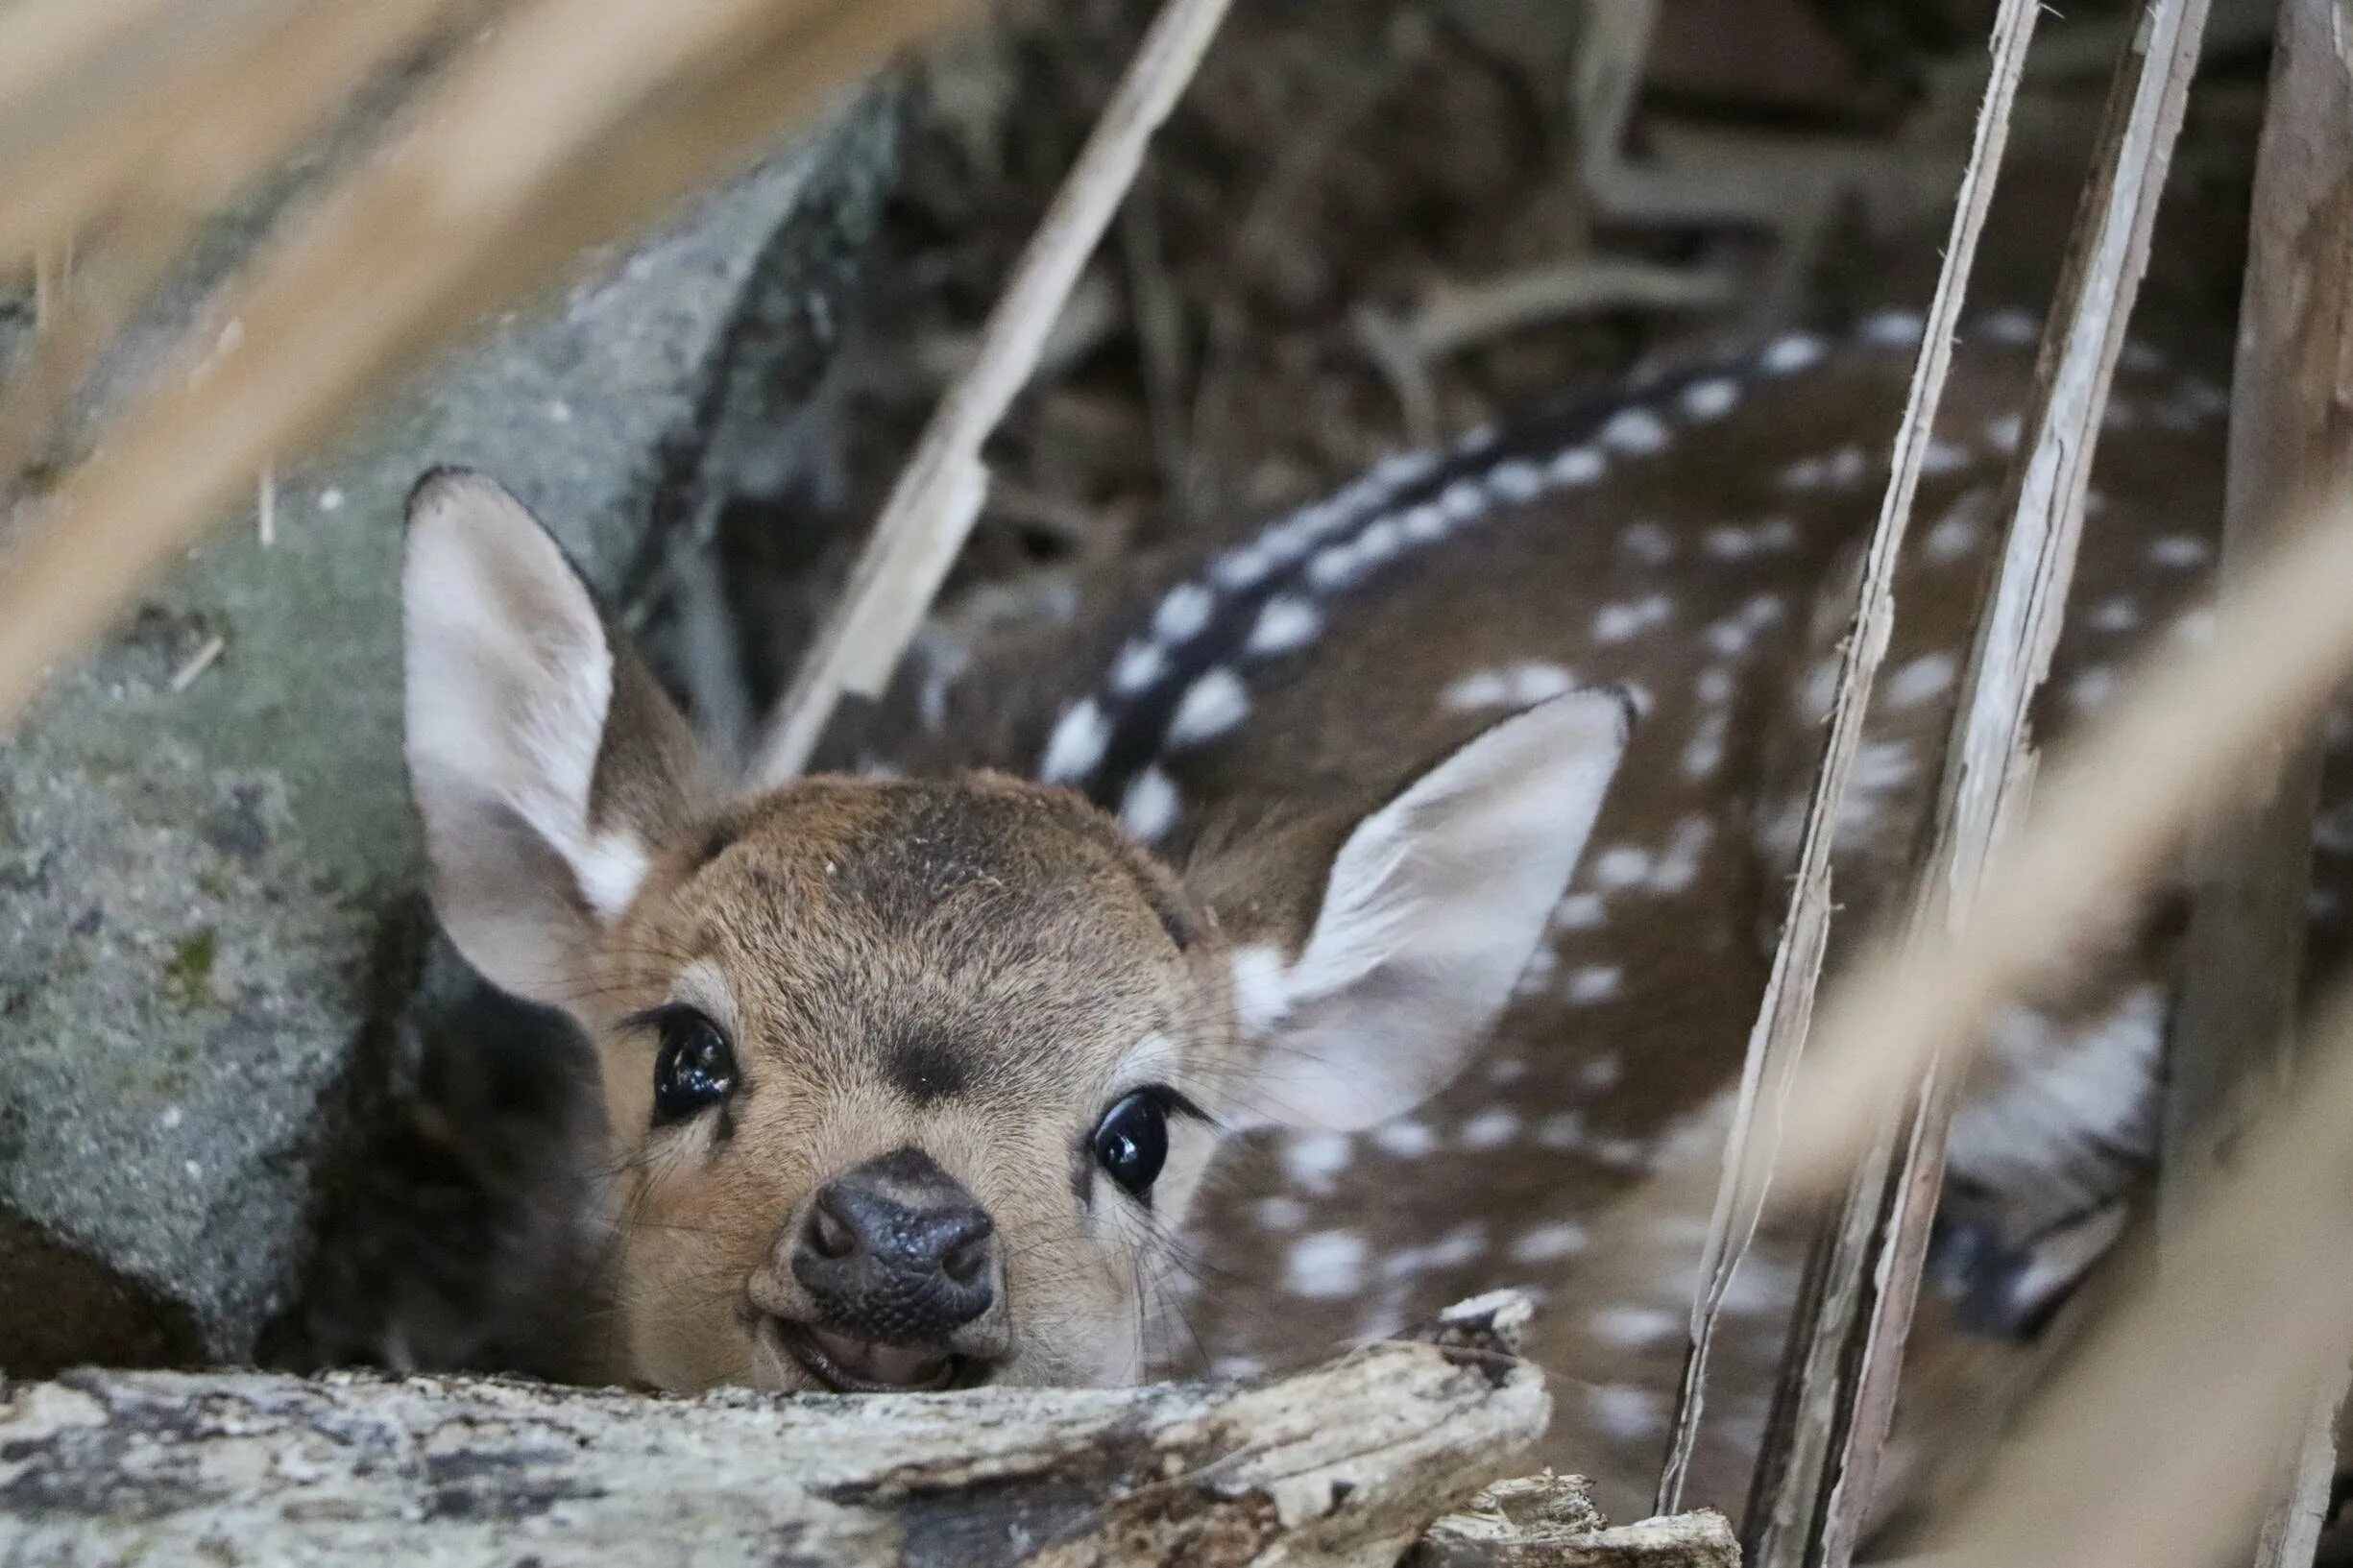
(188, 978)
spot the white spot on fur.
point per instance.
(1819, 690)
(1404, 1139)
(1550, 1242)
(1506, 1070)
(1462, 1245)
(1279, 1213)
(1183, 613)
(2092, 689)
(1327, 1266)
(1847, 468)
(1245, 567)
(1283, 624)
(2010, 326)
(1635, 1328)
(1893, 328)
(1463, 500)
(1562, 1131)
(2118, 615)
(1945, 457)
(2179, 550)
(1312, 1159)
(1138, 665)
(1212, 704)
(2003, 433)
(2062, 1099)
(1595, 983)
(1793, 351)
(1635, 431)
(1150, 805)
(1647, 542)
(1516, 480)
(1262, 986)
(1484, 688)
(1923, 681)
(1491, 1128)
(1382, 539)
(1619, 622)
(1425, 524)
(1600, 1072)
(1622, 1412)
(1575, 465)
(1715, 684)
(1076, 745)
(1955, 534)
(1711, 400)
(1579, 912)
(1703, 753)
(1335, 565)
(1678, 863)
(1622, 866)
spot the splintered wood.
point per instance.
(1344, 1462)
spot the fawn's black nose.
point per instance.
(896, 1251)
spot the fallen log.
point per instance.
(1344, 1462)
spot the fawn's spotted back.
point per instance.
(1695, 539)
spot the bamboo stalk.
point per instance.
(1786, 1011)
(579, 121)
(940, 492)
(1856, 1335)
(2291, 434)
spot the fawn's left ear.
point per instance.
(1428, 912)
(546, 761)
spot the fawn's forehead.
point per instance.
(928, 925)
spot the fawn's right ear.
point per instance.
(546, 761)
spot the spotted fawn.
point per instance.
(1427, 843)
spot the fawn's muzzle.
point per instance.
(895, 1253)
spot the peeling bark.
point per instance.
(1343, 1463)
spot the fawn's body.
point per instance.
(958, 998)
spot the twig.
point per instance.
(199, 661)
(1863, 1305)
(1450, 315)
(2233, 1046)
(939, 493)
(1788, 1008)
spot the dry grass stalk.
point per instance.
(939, 492)
(2232, 1046)
(1860, 1309)
(1786, 1011)
(578, 121)
(2110, 809)
(2160, 1445)
(171, 158)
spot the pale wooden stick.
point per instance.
(1864, 1304)
(2232, 1050)
(1788, 1008)
(939, 492)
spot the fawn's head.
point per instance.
(910, 1083)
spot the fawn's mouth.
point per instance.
(850, 1366)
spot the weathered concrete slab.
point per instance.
(194, 946)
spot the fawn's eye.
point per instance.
(1131, 1140)
(694, 1069)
